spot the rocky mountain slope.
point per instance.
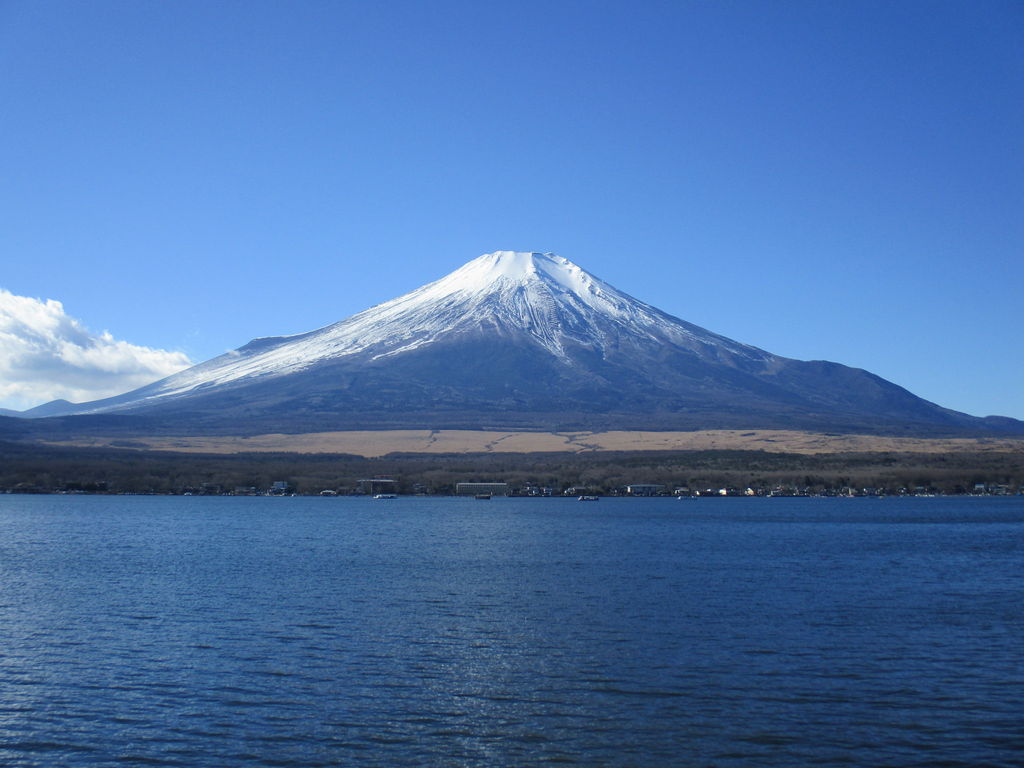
(522, 341)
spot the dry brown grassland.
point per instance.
(373, 444)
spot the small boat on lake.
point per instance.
(483, 496)
(386, 496)
(588, 498)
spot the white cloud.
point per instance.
(46, 354)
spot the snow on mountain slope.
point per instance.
(518, 341)
(544, 297)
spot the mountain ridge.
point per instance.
(525, 340)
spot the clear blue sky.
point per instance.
(825, 180)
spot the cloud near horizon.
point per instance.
(46, 354)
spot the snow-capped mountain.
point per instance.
(541, 297)
(525, 340)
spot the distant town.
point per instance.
(380, 487)
(28, 468)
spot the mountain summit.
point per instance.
(523, 340)
(539, 297)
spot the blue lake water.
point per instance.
(648, 632)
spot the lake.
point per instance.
(445, 631)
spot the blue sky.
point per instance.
(825, 180)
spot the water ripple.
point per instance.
(190, 632)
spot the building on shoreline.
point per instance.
(473, 489)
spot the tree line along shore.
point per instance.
(34, 468)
